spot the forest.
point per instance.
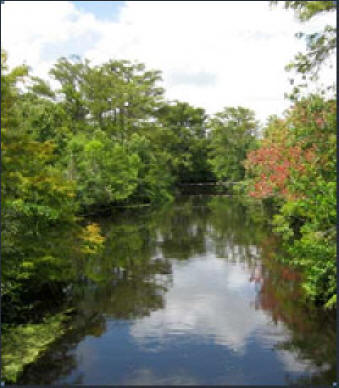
(107, 137)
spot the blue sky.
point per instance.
(104, 10)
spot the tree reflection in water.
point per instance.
(130, 279)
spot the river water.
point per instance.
(190, 293)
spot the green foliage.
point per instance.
(119, 97)
(44, 120)
(37, 198)
(23, 344)
(34, 193)
(183, 137)
(111, 156)
(233, 134)
(154, 176)
(103, 170)
(305, 145)
(320, 45)
(305, 10)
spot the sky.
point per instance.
(211, 54)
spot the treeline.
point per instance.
(112, 136)
(105, 137)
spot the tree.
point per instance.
(155, 181)
(34, 193)
(30, 184)
(320, 45)
(119, 97)
(104, 173)
(295, 165)
(183, 135)
(233, 134)
(45, 120)
(118, 101)
(70, 75)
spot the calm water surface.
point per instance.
(189, 294)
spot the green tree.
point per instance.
(232, 134)
(102, 169)
(34, 193)
(45, 120)
(70, 74)
(320, 45)
(295, 165)
(119, 97)
(155, 181)
(183, 136)
(104, 157)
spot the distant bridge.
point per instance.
(207, 183)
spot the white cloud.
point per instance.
(211, 298)
(146, 376)
(293, 363)
(235, 51)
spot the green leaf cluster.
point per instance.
(233, 133)
(22, 344)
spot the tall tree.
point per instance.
(232, 134)
(119, 97)
(183, 136)
(34, 193)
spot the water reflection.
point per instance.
(189, 294)
(209, 300)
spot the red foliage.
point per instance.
(274, 164)
(292, 149)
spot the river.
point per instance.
(189, 293)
